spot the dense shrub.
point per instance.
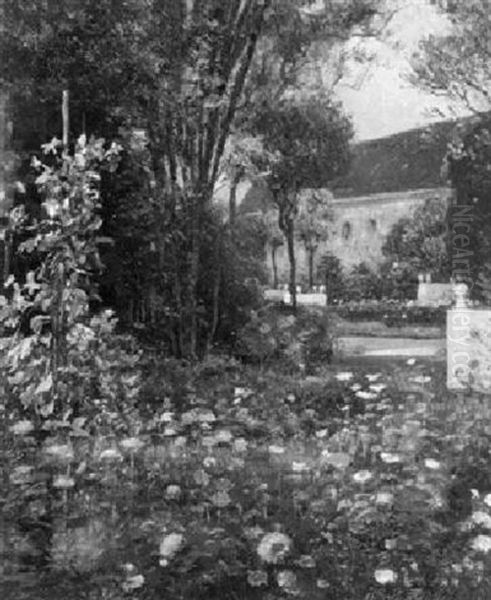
(302, 341)
(393, 314)
(330, 272)
(59, 359)
(363, 283)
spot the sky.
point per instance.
(379, 98)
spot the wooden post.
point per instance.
(66, 119)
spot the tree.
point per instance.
(175, 70)
(330, 271)
(274, 239)
(312, 226)
(178, 70)
(307, 146)
(420, 241)
(458, 62)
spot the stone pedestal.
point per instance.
(435, 294)
(469, 349)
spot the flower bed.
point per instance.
(367, 485)
(392, 314)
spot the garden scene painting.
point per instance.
(245, 305)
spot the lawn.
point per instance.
(237, 483)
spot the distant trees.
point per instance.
(274, 240)
(307, 145)
(183, 75)
(421, 241)
(312, 227)
(458, 64)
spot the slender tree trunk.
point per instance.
(232, 201)
(291, 258)
(311, 268)
(193, 277)
(275, 267)
(216, 292)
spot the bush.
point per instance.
(330, 272)
(363, 283)
(393, 314)
(300, 342)
(61, 361)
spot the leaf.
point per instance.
(45, 385)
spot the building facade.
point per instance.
(388, 180)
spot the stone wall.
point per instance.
(359, 228)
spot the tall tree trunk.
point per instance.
(232, 200)
(275, 267)
(291, 258)
(216, 292)
(311, 252)
(193, 282)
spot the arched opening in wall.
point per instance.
(346, 230)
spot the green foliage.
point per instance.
(59, 360)
(330, 272)
(363, 283)
(420, 242)
(468, 163)
(393, 314)
(298, 342)
(455, 62)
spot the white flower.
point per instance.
(63, 482)
(365, 395)
(431, 463)
(389, 458)
(287, 580)
(384, 498)
(131, 444)
(322, 433)
(481, 543)
(373, 377)
(167, 417)
(487, 500)
(257, 578)
(421, 379)
(411, 362)
(362, 476)
(172, 492)
(385, 576)
(22, 428)
(110, 454)
(170, 546)
(377, 387)
(344, 376)
(355, 387)
(340, 460)
(223, 436)
(209, 461)
(60, 451)
(240, 445)
(133, 583)
(206, 416)
(275, 449)
(169, 432)
(481, 518)
(21, 475)
(299, 467)
(475, 493)
(274, 547)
